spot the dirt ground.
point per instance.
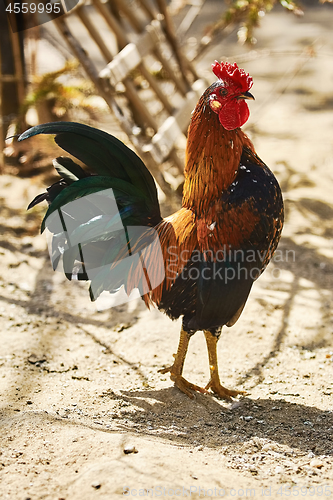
(79, 382)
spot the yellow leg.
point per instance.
(176, 369)
(214, 383)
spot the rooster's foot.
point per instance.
(182, 384)
(186, 387)
(165, 370)
(223, 392)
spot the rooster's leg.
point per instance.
(214, 383)
(176, 369)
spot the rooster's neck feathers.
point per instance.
(212, 157)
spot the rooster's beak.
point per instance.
(246, 95)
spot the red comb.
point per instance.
(232, 73)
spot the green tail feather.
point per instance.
(68, 169)
(100, 151)
(124, 192)
(90, 234)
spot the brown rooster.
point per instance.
(211, 250)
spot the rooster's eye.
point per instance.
(223, 92)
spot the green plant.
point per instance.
(57, 94)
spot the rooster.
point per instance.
(212, 249)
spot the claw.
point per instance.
(165, 370)
(182, 384)
(223, 392)
(186, 387)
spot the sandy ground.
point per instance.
(79, 385)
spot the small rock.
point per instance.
(194, 476)
(310, 470)
(96, 485)
(309, 355)
(122, 326)
(248, 418)
(130, 449)
(278, 469)
(269, 447)
(317, 463)
(36, 360)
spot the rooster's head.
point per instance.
(228, 94)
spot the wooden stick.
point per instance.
(18, 63)
(2, 136)
(81, 12)
(140, 112)
(183, 63)
(154, 85)
(123, 7)
(148, 9)
(154, 29)
(112, 22)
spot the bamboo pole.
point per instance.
(154, 85)
(112, 22)
(139, 110)
(81, 12)
(2, 136)
(18, 63)
(87, 65)
(152, 13)
(123, 7)
(183, 63)
(181, 86)
(18, 89)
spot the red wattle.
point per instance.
(234, 114)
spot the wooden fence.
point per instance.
(144, 34)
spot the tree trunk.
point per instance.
(12, 75)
